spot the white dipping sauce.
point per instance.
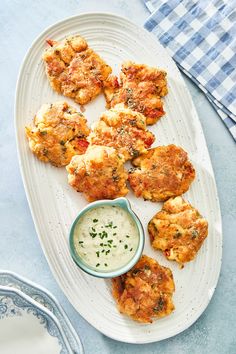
(106, 237)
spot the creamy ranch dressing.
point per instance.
(106, 237)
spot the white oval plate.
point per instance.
(54, 205)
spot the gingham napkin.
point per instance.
(200, 35)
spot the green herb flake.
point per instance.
(127, 236)
(93, 234)
(81, 244)
(105, 264)
(131, 249)
(108, 251)
(125, 247)
(194, 234)
(115, 178)
(95, 220)
(103, 234)
(135, 153)
(177, 234)
(44, 132)
(97, 253)
(110, 224)
(159, 306)
(45, 151)
(98, 264)
(136, 271)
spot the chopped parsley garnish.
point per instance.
(106, 240)
(110, 224)
(159, 306)
(135, 153)
(177, 235)
(194, 234)
(81, 244)
(93, 234)
(44, 132)
(136, 271)
(103, 234)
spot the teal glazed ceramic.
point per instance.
(124, 204)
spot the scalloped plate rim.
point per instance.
(43, 291)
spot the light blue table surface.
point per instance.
(214, 332)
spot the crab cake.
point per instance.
(163, 172)
(74, 69)
(99, 173)
(59, 132)
(123, 129)
(141, 88)
(178, 230)
(145, 292)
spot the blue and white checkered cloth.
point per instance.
(200, 35)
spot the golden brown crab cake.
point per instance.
(59, 132)
(99, 173)
(74, 69)
(145, 292)
(161, 173)
(178, 230)
(123, 129)
(141, 88)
